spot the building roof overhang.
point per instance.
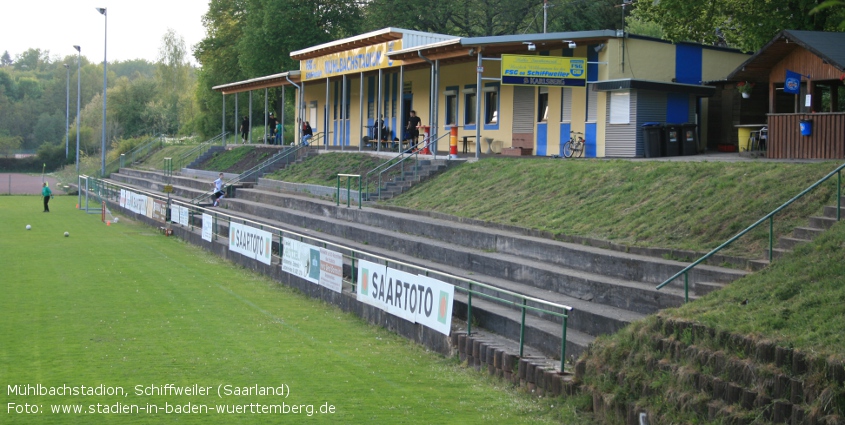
(268, 81)
(635, 84)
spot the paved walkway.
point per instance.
(25, 184)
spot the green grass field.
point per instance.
(123, 306)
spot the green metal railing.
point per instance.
(768, 217)
(186, 158)
(471, 288)
(348, 190)
(401, 160)
(135, 155)
(253, 172)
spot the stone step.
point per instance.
(806, 233)
(830, 212)
(822, 222)
(787, 242)
(757, 265)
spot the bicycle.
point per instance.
(575, 146)
(758, 139)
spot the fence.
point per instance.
(110, 191)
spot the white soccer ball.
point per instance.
(115, 220)
(28, 227)
(67, 234)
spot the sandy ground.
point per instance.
(25, 184)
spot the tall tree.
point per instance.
(5, 60)
(745, 24)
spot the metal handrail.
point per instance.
(397, 160)
(770, 217)
(198, 150)
(285, 153)
(546, 307)
(133, 154)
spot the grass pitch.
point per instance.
(127, 308)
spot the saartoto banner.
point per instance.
(250, 242)
(416, 298)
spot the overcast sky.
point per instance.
(135, 27)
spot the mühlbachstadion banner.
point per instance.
(301, 259)
(251, 242)
(415, 298)
(207, 227)
(528, 70)
(352, 61)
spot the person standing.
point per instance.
(47, 194)
(413, 127)
(244, 129)
(271, 122)
(218, 190)
(279, 134)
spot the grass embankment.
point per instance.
(123, 306)
(236, 160)
(798, 302)
(324, 168)
(680, 205)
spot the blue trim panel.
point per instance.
(542, 138)
(564, 135)
(590, 140)
(688, 60)
(677, 108)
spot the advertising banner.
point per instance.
(351, 61)
(136, 203)
(250, 242)
(150, 206)
(415, 298)
(184, 212)
(122, 198)
(301, 259)
(527, 70)
(175, 212)
(207, 226)
(331, 269)
(159, 210)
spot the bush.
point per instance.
(52, 156)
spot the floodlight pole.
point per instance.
(102, 11)
(78, 85)
(67, 113)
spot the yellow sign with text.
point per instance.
(351, 61)
(530, 70)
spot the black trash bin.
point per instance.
(673, 140)
(652, 139)
(689, 139)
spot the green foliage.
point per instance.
(9, 145)
(52, 155)
(223, 161)
(684, 205)
(744, 24)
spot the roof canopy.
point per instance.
(826, 45)
(269, 81)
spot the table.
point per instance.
(744, 135)
(466, 140)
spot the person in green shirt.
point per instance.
(47, 194)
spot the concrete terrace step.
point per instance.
(540, 334)
(189, 182)
(580, 257)
(830, 211)
(158, 187)
(640, 297)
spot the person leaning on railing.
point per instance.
(307, 133)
